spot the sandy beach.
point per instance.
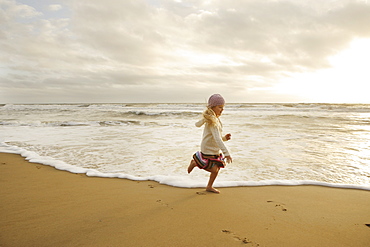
(42, 206)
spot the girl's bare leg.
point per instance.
(191, 166)
(214, 172)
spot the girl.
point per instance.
(210, 157)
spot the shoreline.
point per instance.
(60, 165)
(43, 206)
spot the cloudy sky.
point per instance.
(184, 50)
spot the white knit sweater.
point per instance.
(212, 141)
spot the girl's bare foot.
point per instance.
(191, 166)
(213, 190)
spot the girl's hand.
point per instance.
(228, 136)
(228, 159)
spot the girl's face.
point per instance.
(218, 110)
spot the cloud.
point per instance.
(55, 7)
(9, 9)
(162, 45)
(285, 32)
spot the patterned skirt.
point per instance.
(205, 161)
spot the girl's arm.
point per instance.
(226, 137)
(200, 123)
(217, 137)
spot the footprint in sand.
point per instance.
(201, 193)
(163, 203)
(242, 240)
(279, 205)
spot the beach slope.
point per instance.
(42, 206)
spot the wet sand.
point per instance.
(42, 206)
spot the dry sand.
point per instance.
(42, 206)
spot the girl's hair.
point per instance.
(210, 116)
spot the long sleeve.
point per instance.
(212, 141)
(200, 123)
(219, 140)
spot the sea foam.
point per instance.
(176, 181)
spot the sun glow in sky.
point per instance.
(346, 81)
(183, 51)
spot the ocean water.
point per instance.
(272, 144)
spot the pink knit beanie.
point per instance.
(215, 100)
